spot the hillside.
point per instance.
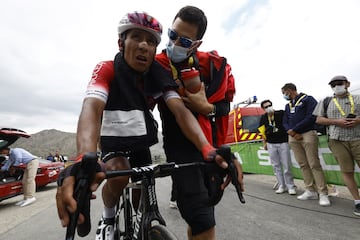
(49, 141)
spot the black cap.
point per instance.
(338, 78)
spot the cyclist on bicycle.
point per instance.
(116, 111)
(211, 105)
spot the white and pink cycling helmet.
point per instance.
(140, 20)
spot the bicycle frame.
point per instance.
(148, 210)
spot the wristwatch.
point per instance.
(212, 113)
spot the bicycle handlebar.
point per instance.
(159, 170)
(165, 169)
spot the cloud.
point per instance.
(49, 50)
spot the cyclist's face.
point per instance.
(140, 49)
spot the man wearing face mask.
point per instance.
(275, 141)
(299, 122)
(209, 102)
(342, 119)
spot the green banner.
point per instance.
(255, 159)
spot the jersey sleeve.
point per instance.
(99, 84)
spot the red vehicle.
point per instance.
(243, 122)
(10, 182)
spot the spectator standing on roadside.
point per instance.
(299, 122)
(342, 118)
(58, 157)
(275, 141)
(18, 156)
(50, 157)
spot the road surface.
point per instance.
(265, 215)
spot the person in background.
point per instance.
(207, 86)
(58, 157)
(275, 140)
(299, 122)
(50, 157)
(18, 156)
(342, 119)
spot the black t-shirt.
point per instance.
(274, 129)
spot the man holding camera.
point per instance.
(342, 118)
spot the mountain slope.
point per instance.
(49, 141)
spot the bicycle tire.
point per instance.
(160, 232)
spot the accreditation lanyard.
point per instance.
(271, 120)
(292, 108)
(352, 105)
(174, 70)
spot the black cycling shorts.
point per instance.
(191, 194)
(138, 158)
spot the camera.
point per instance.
(350, 115)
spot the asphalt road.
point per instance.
(265, 215)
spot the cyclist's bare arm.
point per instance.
(87, 135)
(88, 131)
(190, 126)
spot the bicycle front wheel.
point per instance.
(160, 232)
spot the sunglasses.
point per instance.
(265, 107)
(184, 42)
(339, 83)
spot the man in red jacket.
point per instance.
(209, 100)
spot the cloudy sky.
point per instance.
(49, 49)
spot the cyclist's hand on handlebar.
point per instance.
(66, 204)
(209, 154)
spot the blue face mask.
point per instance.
(176, 53)
(286, 97)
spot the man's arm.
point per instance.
(192, 130)
(88, 131)
(340, 122)
(187, 122)
(87, 137)
(8, 164)
(324, 121)
(309, 118)
(285, 119)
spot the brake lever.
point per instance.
(82, 195)
(229, 157)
